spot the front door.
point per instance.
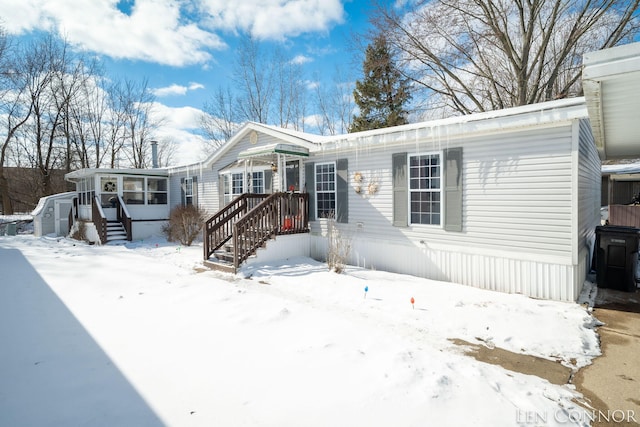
(62, 210)
(109, 197)
(292, 176)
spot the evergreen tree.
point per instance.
(383, 92)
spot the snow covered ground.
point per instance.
(138, 335)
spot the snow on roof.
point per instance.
(620, 168)
(87, 172)
(43, 201)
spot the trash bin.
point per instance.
(11, 229)
(617, 257)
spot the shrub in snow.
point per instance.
(338, 247)
(79, 231)
(185, 223)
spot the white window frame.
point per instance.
(188, 195)
(256, 176)
(317, 192)
(149, 193)
(250, 179)
(439, 190)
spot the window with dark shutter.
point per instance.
(325, 189)
(425, 189)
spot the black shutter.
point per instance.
(310, 187)
(194, 189)
(400, 189)
(182, 193)
(342, 191)
(453, 189)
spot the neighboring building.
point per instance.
(620, 183)
(51, 215)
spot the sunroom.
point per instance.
(123, 204)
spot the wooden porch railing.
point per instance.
(251, 224)
(219, 228)
(124, 217)
(99, 219)
(256, 227)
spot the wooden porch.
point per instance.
(244, 225)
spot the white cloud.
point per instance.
(312, 84)
(170, 32)
(179, 126)
(156, 30)
(301, 59)
(176, 89)
(274, 19)
(195, 86)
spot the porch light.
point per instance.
(274, 167)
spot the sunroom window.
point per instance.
(133, 190)
(108, 191)
(156, 191)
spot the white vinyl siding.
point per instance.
(517, 215)
(517, 192)
(209, 177)
(588, 188)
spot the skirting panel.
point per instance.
(544, 280)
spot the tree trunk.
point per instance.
(7, 205)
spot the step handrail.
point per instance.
(218, 229)
(99, 219)
(125, 218)
(252, 219)
(278, 214)
(256, 227)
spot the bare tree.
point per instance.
(221, 118)
(137, 103)
(167, 148)
(335, 105)
(88, 112)
(478, 55)
(290, 102)
(270, 89)
(116, 124)
(14, 111)
(70, 96)
(254, 76)
(46, 62)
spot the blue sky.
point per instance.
(185, 48)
